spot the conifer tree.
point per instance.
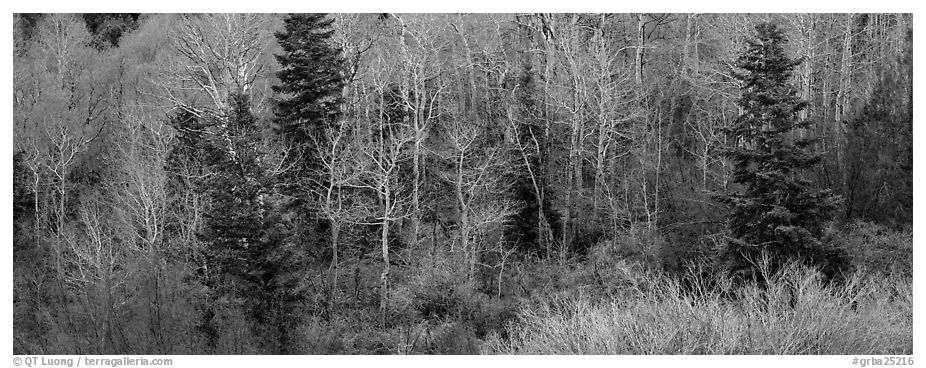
(245, 235)
(309, 100)
(776, 211)
(311, 82)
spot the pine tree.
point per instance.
(311, 81)
(245, 235)
(311, 84)
(776, 211)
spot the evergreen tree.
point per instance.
(776, 211)
(311, 84)
(311, 81)
(248, 256)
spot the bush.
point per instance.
(613, 268)
(794, 314)
(639, 244)
(453, 312)
(876, 249)
(437, 291)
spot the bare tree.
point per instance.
(142, 185)
(527, 148)
(96, 269)
(216, 55)
(641, 40)
(341, 168)
(141, 201)
(381, 175)
(479, 176)
(845, 74)
(419, 69)
(382, 155)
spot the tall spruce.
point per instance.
(248, 256)
(309, 99)
(311, 83)
(776, 211)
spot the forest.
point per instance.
(462, 183)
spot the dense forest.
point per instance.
(462, 184)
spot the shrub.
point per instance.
(794, 314)
(612, 272)
(876, 249)
(436, 290)
(639, 244)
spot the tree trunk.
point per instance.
(464, 220)
(600, 160)
(807, 74)
(36, 228)
(686, 59)
(901, 33)
(470, 74)
(842, 102)
(574, 172)
(333, 269)
(384, 277)
(416, 172)
(845, 77)
(658, 170)
(604, 118)
(641, 36)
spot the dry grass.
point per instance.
(796, 314)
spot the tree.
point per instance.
(479, 174)
(97, 268)
(247, 254)
(531, 224)
(309, 100)
(777, 211)
(311, 80)
(140, 203)
(419, 48)
(332, 190)
(214, 56)
(383, 157)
